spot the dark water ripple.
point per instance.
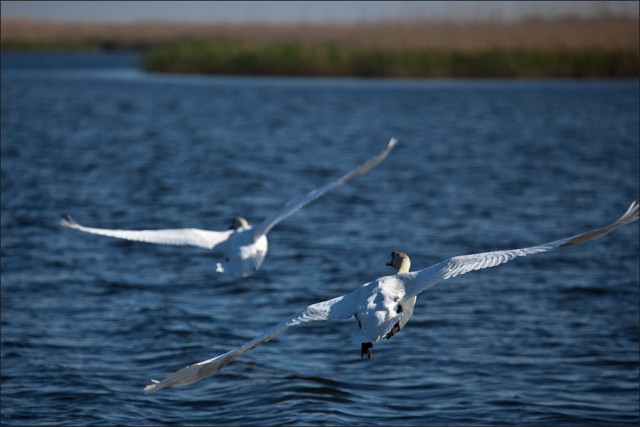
(481, 165)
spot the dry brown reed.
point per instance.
(572, 34)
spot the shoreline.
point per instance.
(605, 47)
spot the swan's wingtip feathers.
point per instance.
(69, 222)
(631, 214)
(151, 388)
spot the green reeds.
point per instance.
(337, 60)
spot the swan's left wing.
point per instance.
(296, 204)
(177, 236)
(420, 280)
(334, 309)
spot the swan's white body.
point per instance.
(381, 304)
(244, 253)
(244, 247)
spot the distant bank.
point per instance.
(606, 47)
(333, 60)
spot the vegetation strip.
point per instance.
(600, 47)
(334, 60)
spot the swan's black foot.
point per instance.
(393, 331)
(364, 349)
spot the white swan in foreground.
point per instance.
(244, 246)
(384, 305)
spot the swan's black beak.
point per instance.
(390, 263)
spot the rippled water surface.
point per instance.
(87, 321)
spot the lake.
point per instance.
(481, 165)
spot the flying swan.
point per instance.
(244, 247)
(384, 305)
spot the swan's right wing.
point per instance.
(298, 203)
(334, 309)
(179, 236)
(420, 280)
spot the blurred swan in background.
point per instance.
(244, 246)
(383, 306)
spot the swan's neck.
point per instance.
(404, 267)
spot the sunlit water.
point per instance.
(87, 321)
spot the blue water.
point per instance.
(87, 321)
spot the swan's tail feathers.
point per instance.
(629, 216)
(69, 222)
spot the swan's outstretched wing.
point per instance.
(334, 309)
(179, 236)
(296, 204)
(458, 265)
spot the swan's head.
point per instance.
(238, 222)
(400, 261)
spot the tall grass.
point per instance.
(336, 60)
